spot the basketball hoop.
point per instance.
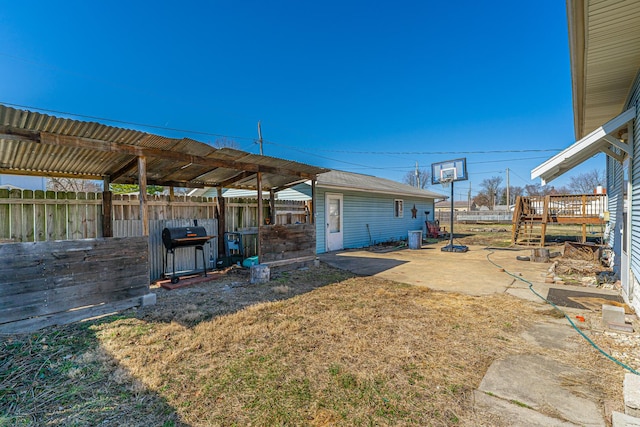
(447, 176)
(445, 173)
(446, 183)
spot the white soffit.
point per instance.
(600, 140)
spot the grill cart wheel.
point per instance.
(175, 280)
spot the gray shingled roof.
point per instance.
(355, 181)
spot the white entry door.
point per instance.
(333, 221)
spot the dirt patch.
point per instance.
(232, 292)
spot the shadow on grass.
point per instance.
(61, 376)
(193, 304)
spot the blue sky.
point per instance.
(369, 87)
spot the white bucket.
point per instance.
(260, 273)
(415, 239)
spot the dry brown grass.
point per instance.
(361, 352)
(295, 351)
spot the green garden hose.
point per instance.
(594, 345)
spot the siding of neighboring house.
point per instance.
(24, 182)
(634, 286)
(377, 210)
(300, 192)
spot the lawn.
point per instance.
(499, 235)
(312, 347)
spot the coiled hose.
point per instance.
(594, 345)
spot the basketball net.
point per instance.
(446, 183)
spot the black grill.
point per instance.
(184, 236)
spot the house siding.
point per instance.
(615, 200)
(633, 287)
(376, 210)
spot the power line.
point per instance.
(124, 122)
(386, 153)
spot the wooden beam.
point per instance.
(12, 133)
(260, 220)
(107, 213)
(313, 201)
(221, 223)
(272, 206)
(142, 182)
(96, 177)
(125, 169)
(236, 178)
(292, 184)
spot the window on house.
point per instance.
(398, 208)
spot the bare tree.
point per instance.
(482, 199)
(586, 183)
(73, 184)
(225, 142)
(423, 177)
(536, 189)
(514, 192)
(491, 187)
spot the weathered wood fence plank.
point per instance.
(46, 278)
(283, 242)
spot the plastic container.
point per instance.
(248, 262)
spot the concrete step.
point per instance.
(618, 419)
(631, 393)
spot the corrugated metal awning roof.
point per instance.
(33, 143)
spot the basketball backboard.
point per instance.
(449, 170)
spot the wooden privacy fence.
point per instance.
(127, 207)
(57, 282)
(36, 216)
(474, 217)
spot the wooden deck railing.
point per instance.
(538, 211)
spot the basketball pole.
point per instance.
(451, 217)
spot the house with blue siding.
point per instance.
(604, 42)
(354, 210)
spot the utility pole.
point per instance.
(469, 198)
(260, 137)
(417, 176)
(508, 195)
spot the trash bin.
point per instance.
(415, 239)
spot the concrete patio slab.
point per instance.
(477, 272)
(509, 413)
(537, 382)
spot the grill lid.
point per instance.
(173, 237)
